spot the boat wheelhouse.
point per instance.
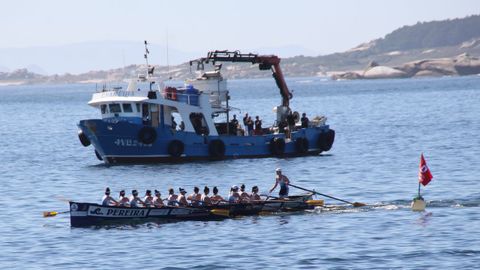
(150, 122)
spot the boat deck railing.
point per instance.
(116, 93)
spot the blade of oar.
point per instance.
(53, 213)
(355, 204)
(220, 212)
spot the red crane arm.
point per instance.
(265, 62)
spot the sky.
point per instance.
(319, 27)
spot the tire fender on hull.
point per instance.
(176, 148)
(301, 145)
(83, 138)
(216, 149)
(147, 135)
(277, 146)
(326, 139)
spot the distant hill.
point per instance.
(430, 35)
(437, 48)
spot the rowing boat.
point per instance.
(289, 204)
(91, 214)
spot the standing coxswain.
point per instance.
(107, 200)
(283, 181)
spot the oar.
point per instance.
(53, 213)
(355, 204)
(220, 212)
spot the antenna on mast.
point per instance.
(147, 52)
(168, 62)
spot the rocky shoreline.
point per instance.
(461, 65)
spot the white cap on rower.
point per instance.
(278, 170)
(234, 187)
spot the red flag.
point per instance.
(424, 174)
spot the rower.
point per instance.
(195, 197)
(244, 197)
(107, 200)
(204, 199)
(135, 201)
(123, 200)
(283, 181)
(254, 195)
(148, 199)
(181, 199)
(157, 201)
(216, 198)
(172, 197)
(234, 197)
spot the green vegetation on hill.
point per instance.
(430, 34)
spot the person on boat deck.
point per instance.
(250, 126)
(195, 197)
(148, 199)
(304, 120)
(181, 199)
(174, 124)
(172, 197)
(254, 195)
(215, 198)
(234, 125)
(158, 201)
(291, 123)
(234, 197)
(135, 201)
(107, 200)
(258, 126)
(244, 197)
(123, 200)
(204, 199)
(245, 119)
(283, 181)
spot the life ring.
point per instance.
(176, 148)
(301, 144)
(277, 146)
(147, 135)
(98, 155)
(216, 148)
(83, 138)
(325, 140)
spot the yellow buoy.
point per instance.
(418, 204)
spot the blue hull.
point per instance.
(125, 142)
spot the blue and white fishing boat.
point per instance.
(157, 123)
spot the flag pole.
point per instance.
(419, 189)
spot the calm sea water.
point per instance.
(382, 127)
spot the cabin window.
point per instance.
(115, 108)
(138, 107)
(127, 107)
(104, 109)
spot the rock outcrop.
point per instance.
(458, 66)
